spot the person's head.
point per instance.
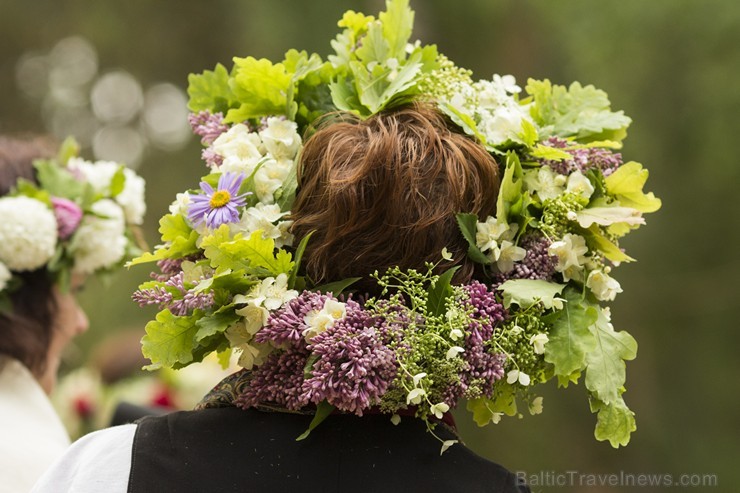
(41, 318)
(384, 192)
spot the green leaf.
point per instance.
(550, 153)
(463, 120)
(70, 148)
(398, 22)
(510, 192)
(577, 111)
(260, 87)
(118, 182)
(596, 240)
(298, 257)
(528, 135)
(440, 291)
(210, 91)
(337, 287)
(308, 368)
(374, 47)
(180, 241)
(605, 373)
(626, 184)
(486, 410)
(528, 292)
(170, 339)
(224, 358)
(615, 422)
(253, 254)
(468, 224)
(58, 181)
(323, 411)
(570, 336)
(216, 323)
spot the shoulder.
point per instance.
(100, 461)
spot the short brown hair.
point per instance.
(384, 192)
(25, 331)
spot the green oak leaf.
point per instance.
(615, 422)
(210, 91)
(528, 292)
(570, 336)
(260, 87)
(170, 339)
(217, 322)
(605, 373)
(626, 184)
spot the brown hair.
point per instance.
(25, 330)
(384, 192)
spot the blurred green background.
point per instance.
(672, 65)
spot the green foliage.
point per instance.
(323, 411)
(170, 339)
(216, 323)
(178, 237)
(58, 181)
(397, 22)
(580, 112)
(570, 336)
(210, 91)
(605, 371)
(336, 287)
(468, 224)
(528, 292)
(70, 148)
(254, 255)
(626, 184)
(260, 87)
(510, 201)
(439, 291)
(615, 422)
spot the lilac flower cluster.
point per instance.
(583, 159)
(207, 125)
(279, 380)
(484, 367)
(536, 264)
(165, 298)
(285, 327)
(355, 367)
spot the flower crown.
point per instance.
(80, 218)
(230, 276)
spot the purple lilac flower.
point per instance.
(279, 380)
(68, 215)
(160, 295)
(285, 327)
(483, 367)
(211, 157)
(207, 125)
(354, 367)
(583, 159)
(219, 206)
(536, 264)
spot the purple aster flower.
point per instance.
(219, 206)
(68, 215)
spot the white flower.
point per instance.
(439, 409)
(508, 254)
(454, 351)
(503, 125)
(5, 276)
(271, 292)
(241, 338)
(547, 183)
(604, 287)
(515, 331)
(570, 252)
(395, 419)
(28, 233)
(489, 233)
(518, 376)
(269, 177)
(319, 321)
(535, 407)
(131, 197)
(255, 317)
(579, 185)
(100, 175)
(456, 334)
(539, 341)
(180, 206)
(281, 138)
(417, 378)
(447, 444)
(415, 396)
(240, 149)
(99, 241)
(446, 254)
(263, 217)
(507, 82)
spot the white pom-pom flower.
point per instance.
(99, 241)
(28, 233)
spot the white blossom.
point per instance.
(263, 217)
(241, 338)
(179, 206)
(508, 254)
(5, 276)
(28, 233)
(269, 177)
(439, 409)
(539, 341)
(417, 378)
(579, 185)
(571, 253)
(281, 138)
(319, 321)
(100, 239)
(547, 183)
(271, 293)
(518, 376)
(604, 287)
(454, 351)
(239, 148)
(415, 396)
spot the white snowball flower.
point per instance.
(99, 241)
(579, 185)
(281, 138)
(319, 321)
(571, 254)
(240, 148)
(5, 276)
(604, 287)
(547, 183)
(28, 233)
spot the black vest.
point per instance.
(231, 450)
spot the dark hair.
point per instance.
(25, 330)
(384, 192)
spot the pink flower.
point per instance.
(68, 215)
